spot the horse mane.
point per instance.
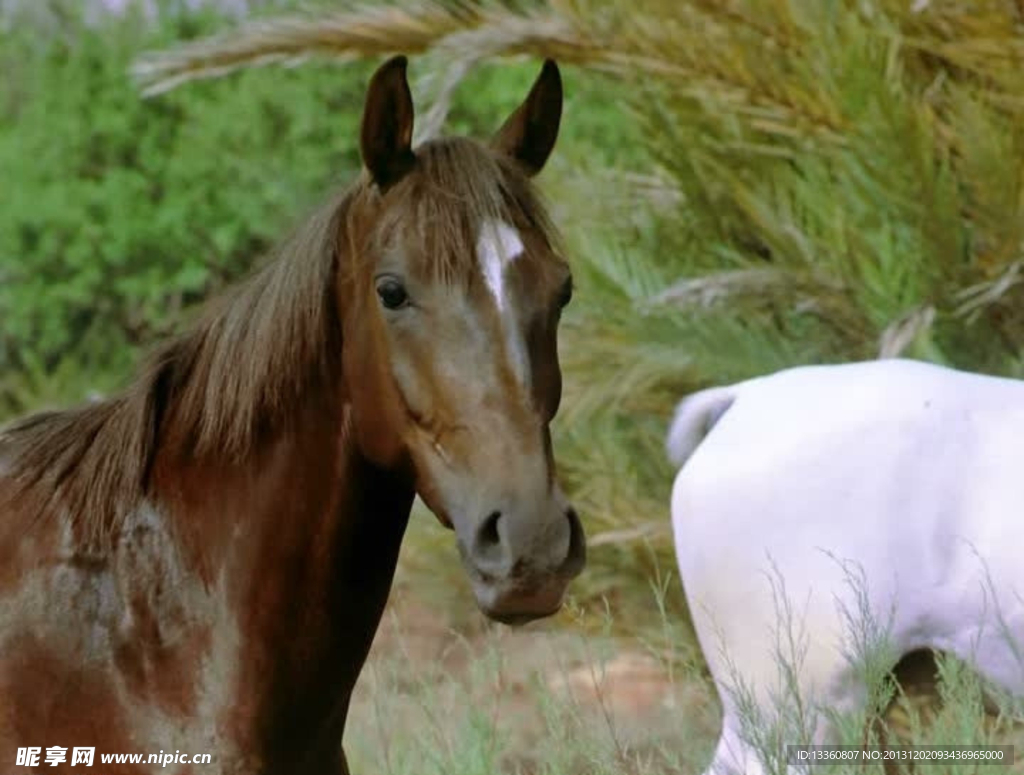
(240, 370)
(236, 371)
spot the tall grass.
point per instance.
(553, 701)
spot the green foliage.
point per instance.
(842, 149)
(120, 213)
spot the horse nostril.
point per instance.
(576, 557)
(488, 550)
(489, 535)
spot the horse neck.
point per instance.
(301, 541)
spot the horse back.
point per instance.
(897, 474)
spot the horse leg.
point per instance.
(758, 694)
(733, 755)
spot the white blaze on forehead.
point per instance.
(497, 246)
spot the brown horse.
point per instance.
(199, 564)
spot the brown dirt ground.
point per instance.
(431, 664)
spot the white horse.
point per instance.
(890, 492)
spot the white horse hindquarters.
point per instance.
(768, 607)
(982, 613)
(888, 466)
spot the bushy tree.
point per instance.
(120, 213)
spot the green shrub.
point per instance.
(119, 213)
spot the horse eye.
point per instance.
(392, 294)
(565, 295)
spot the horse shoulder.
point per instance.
(131, 621)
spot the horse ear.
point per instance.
(385, 139)
(529, 134)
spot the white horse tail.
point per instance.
(695, 416)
